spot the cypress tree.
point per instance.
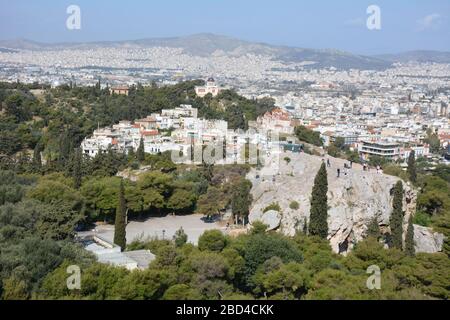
(409, 240)
(412, 171)
(140, 153)
(373, 229)
(77, 174)
(64, 149)
(37, 161)
(396, 220)
(120, 227)
(319, 206)
(131, 154)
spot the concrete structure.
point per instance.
(387, 150)
(108, 253)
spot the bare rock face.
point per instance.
(272, 219)
(426, 240)
(354, 199)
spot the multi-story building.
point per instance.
(185, 110)
(419, 150)
(384, 149)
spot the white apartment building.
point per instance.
(185, 110)
(420, 151)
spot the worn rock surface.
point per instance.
(271, 218)
(354, 198)
(426, 240)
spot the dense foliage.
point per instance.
(261, 265)
(309, 136)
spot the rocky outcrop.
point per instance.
(427, 241)
(133, 175)
(272, 219)
(354, 199)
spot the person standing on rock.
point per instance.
(328, 163)
(338, 172)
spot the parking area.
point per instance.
(163, 227)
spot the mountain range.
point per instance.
(206, 44)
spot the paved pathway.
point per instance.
(193, 226)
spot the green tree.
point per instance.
(77, 168)
(182, 292)
(212, 240)
(373, 229)
(412, 171)
(377, 161)
(180, 200)
(263, 246)
(235, 117)
(409, 240)
(211, 203)
(120, 224)
(52, 189)
(65, 148)
(339, 143)
(396, 220)
(180, 238)
(242, 199)
(37, 160)
(433, 140)
(156, 187)
(308, 135)
(140, 153)
(318, 224)
(258, 227)
(101, 196)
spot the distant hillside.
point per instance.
(7, 50)
(418, 56)
(206, 44)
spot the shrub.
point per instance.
(422, 219)
(213, 240)
(274, 206)
(294, 205)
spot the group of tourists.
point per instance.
(349, 165)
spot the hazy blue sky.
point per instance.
(406, 24)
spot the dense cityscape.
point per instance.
(398, 105)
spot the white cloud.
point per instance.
(431, 21)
